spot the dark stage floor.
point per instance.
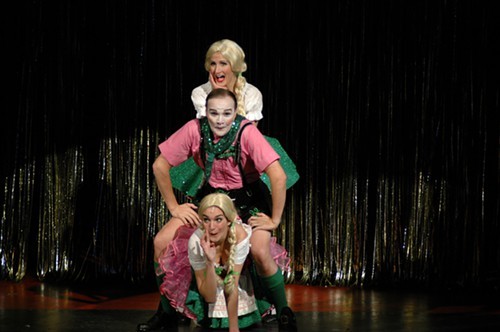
(34, 306)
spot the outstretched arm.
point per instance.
(232, 300)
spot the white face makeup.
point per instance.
(220, 114)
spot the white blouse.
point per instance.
(246, 297)
(197, 256)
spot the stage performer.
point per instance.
(233, 156)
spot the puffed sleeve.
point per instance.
(195, 251)
(243, 248)
(253, 103)
(198, 97)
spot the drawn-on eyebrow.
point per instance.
(224, 110)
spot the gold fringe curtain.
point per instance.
(390, 111)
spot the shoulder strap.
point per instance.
(202, 143)
(237, 157)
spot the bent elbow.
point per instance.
(159, 165)
(281, 180)
(209, 297)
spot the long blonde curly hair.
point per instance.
(236, 57)
(225, 203)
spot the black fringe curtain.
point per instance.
(389, 109)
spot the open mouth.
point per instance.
(220, 78)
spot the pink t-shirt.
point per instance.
(256, 155)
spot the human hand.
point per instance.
(214, 84)
(262, 221)
(208, 247)
(187, 214)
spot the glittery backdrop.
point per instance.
(389, 110)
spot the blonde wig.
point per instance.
(234, 54)
(225, 203)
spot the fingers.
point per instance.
(261, 221)
(206, 238)
(187, 214)
(191, 222)
(192, 206)
(212, 81)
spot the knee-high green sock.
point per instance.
(275, 286)
(165, 303)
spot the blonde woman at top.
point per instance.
(225, 64)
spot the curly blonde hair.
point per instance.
(225, 203)
(234, 54)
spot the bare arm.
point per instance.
(277, 177)
(232, 301)
(232, 296)
(186, 212)
(206, 280)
